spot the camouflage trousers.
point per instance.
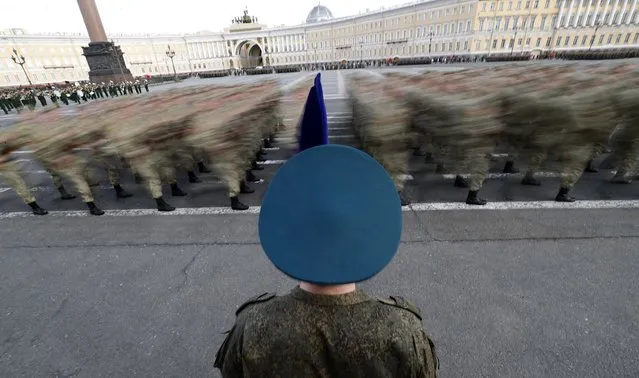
(74, 170)
(155, 168)
(394, 161)
(108, 163)
(10, 174)
(229, 167)
(626, 151)
(573, 162)
(475, 163)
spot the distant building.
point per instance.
(435, 27)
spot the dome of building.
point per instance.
(319, 13)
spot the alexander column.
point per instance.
(105, 59)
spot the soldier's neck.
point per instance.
(328, 289)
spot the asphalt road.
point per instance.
(522, 288)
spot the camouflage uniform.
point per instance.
(302, 335)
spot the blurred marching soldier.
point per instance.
(129, 87)
(146, 85)
(4, 103)
(54, 95)
(326, 326)
(16, 101)
(64, 97)
(138, 88)
(102, 88)
(41, 98)
(119, 87)
(9, 172)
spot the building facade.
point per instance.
(419, 29)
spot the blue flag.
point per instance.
(314, 126)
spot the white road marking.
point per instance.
(271, 149)
(421, 207)
(338, 128)
(2, 190)
(335, 97)
(271, 162)
(503, 175)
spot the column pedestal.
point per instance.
(106, 62)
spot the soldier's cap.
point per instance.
(331, 215)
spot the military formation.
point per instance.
(558, 117)
(16, 100)
(222, 127)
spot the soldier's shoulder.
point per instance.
(261, 298)
(402, 304)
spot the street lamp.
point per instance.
(512, 48)
(597, 26)
(19, 59)
(171, 54)
(361, 50)
(315, 55)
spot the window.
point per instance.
(468, 27)
(452, 28)
(512, 43)
(492, 6)
(531, 26)
(498, 23)
(536, 4)
(636, 38)
(601, 38)
(450, 46)
(506, 22)
(510, 5)
(460, 27)
(542, 25)
(494, 43)
(538, 42)
(627, 38)
(567, 41)
(477, 45)
(501, 6)
(483, 7)
(527, 41)
(35, 76)
(548, 41)
(518, 5)
(515, 22)
(466, 45)
(44, 76)
(610, 39)
(503, 43)
(584, 39)
(558, 41)
(528, 4)
(519, 42)
(618, 38)
(574, 41)
(53, 76)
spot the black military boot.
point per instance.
(162, 205)
(590, 168)
(237, 205)
(250, 177)
(460, 182)
(563, 196)
(428, 158)
(268, 143)
(245, 189)
(510, 167)
(193, 179)
(530, 180)
(176, 191)
(260, 157)
(93, 209)
(64, 195)
(256, 167)
(120, 192)
(37, 210)
(405, 201)
(473, 199)
(138, 179)
(202, 168)
(418, 152)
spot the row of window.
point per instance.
(566, 41)
(608, 18)
(491, 5)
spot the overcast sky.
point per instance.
(170, 16)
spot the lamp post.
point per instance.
(314, 55)
(171, 54)
(597, 26)
(512, 48)
(361, 51)
(19, 59)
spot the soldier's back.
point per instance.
(307, 335)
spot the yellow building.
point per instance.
(423, 28)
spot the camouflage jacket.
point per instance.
(307, 335)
